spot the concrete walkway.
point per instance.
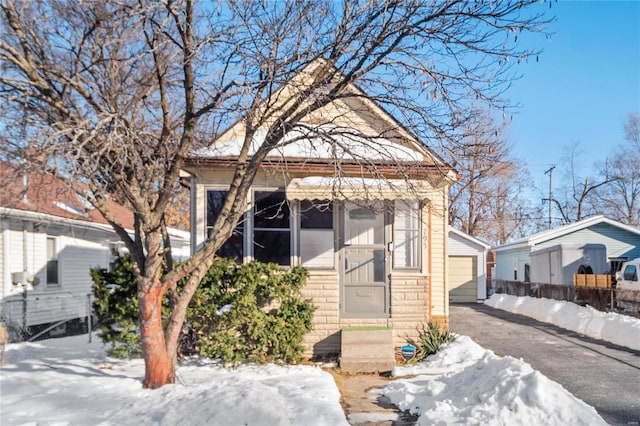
(364, 405)
(603, 375)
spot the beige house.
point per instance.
(352, 196)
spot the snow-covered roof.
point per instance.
(469, 238)
(318, 142)
(550, 234)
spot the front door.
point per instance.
(365, 291)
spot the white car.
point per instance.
(628, 286)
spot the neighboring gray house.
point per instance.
(467, 258)
(621, 241)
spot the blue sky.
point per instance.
(585, 83)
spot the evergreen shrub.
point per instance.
(251, 312)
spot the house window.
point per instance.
(406, 235)
(630, 273)
(233, 247)
(52, 262)
(316, 234)
(271, 228)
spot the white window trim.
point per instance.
(48, 284)
(249, 228)
(244, 218)
(249, 225)
(415, 206)
(298, 235)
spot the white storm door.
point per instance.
(365, 289)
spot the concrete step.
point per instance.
(367, 350)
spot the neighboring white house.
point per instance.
(49, 240)
(513, 260)
(467, 268)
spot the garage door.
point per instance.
(463, 279)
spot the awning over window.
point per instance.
(345, 188)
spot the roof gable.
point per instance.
(551, 234)
(468, 238)
(350, 127)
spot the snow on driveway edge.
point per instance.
(615, 328)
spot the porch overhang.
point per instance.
(357, 188)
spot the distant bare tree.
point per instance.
(115, 94)
(488, 200)
(621, 199)
(576, 198)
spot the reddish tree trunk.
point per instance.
(159, 362)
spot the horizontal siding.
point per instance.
(75, 261)
(79, 249)
(460, 247)
(439, 241)
(507, 260)
(619, 242)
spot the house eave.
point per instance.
(413, 169)
(45, 217)
(469, 238)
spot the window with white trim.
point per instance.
(406, 235)
(271, 228)
(52, 262)
(233, 248)
(269, 225)
(316, 234)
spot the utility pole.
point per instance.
(550, 171)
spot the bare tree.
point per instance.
(621, 199)
(577, 194)
(115, 94)
(488, 200)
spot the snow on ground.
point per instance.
(71, 382)
(464, 384)
(615, 328)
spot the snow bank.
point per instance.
(467, 385)
(70, 382)
(622, 330)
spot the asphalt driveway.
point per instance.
(603, 375)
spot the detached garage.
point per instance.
(467, 268)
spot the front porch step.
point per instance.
(367, 350)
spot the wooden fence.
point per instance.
(592, 280)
